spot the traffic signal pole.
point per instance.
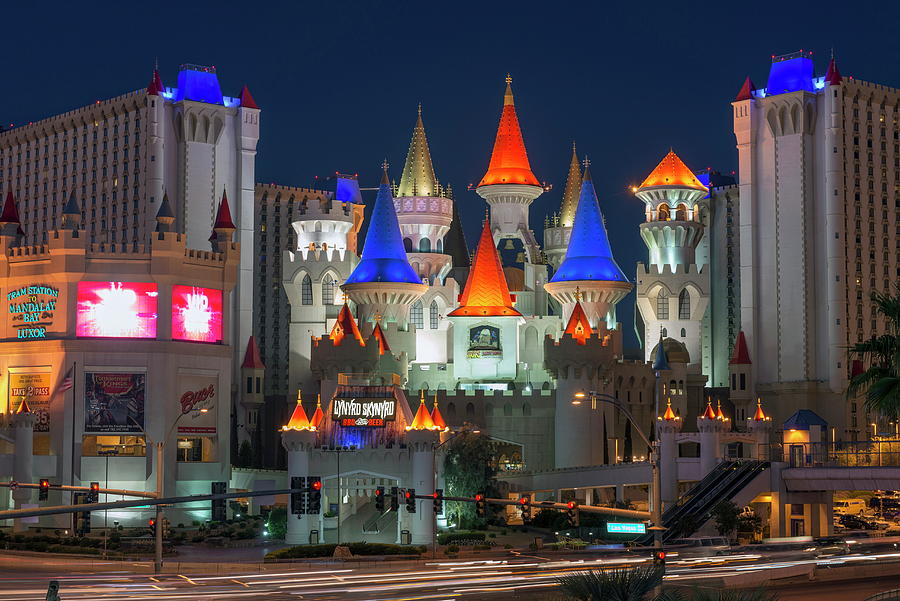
(158, 546)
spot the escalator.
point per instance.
(696, 506)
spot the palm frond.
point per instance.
(612, 585)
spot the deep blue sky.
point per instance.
(338, 82)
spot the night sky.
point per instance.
(338, 82)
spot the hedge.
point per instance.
(461, 536)
(307, 551)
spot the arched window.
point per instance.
(451, 410)
(683, 333)
(662, 305)
(433, 315)
(407, 245)
(440, 245)
(424, 245)
(681, 213)
(665, 333)
(328, 290)
(684, 305)
(526, 409)
(662, 212)
(507, 409)
(306, 290)
(416, 316)
(470, 410)
(488, 409)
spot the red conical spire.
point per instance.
(318, 415)
(247, 101)
(760, 415)
(252, 359)
(345, 326)
(298, 420)
(509, 161)
(832, 75)
(486, 292)
(747, 90)
(378, 334)
(579, 327)
(422, 420)
(155, 87)
(436, 416)
(10, 210)
(23, 407)
(223, 215)
(710, 413)
(740, 356)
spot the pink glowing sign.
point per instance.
(196, 314)
(116, 310)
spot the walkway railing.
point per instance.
(893, 595)
(880, 452)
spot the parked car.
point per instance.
(854, 522)
(850, 506)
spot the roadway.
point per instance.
(521, 577)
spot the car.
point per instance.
(854, 522)
(827, 546)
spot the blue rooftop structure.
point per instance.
(198, 83)
(383, 257)
(589, 256)
(803, 419)
(790, 73)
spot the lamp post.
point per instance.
(462, 430)
(339, 450)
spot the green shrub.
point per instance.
(507, 546)
(482, 547)
(277, 524)
(493, 535)
(451, 549)
(465, 536)
(327, 550)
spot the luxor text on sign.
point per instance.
(363, 411)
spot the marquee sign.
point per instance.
(31, 309)
(366, 412)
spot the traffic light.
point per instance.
(572, 514)
(44, 490)
(379, 500)
(298, 483)
(151, 524)
(525, 509)
(314, 498)
(81, 520)
(395, 500)
(218, 505)
(167, 528)
(410, 500)
(438, 501)
(659, 558)
(94, 494)
(480, 505)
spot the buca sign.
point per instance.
(192, 398)
(363, 412)
(31, 310)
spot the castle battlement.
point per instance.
(655, 270)
(319, 256)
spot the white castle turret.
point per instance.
(673, 291)
(558, 227)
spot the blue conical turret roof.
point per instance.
(589, 256)
(383, 257)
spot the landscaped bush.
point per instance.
(461, 537)
(306, 551)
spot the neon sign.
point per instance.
(196, 314)
(626, 528)
(367, 412)
(31, 310)
(116, 310)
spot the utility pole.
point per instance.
(157, 559)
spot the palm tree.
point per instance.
(881, 381)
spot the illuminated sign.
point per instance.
(31, 310)
(114, 402)
(484, 343)
(33, 389)
(197, 404)
(363, 412)
(196, 314)
(116, 310)
(626, 528)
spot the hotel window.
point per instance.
(306, 291)
(662, 305)
(127, 445)
(684, 305)
(433, 315)
(196, 449)
(416, 315)
(328, 290)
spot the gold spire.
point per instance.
(571, 193)
(508, 96)
(418, 177)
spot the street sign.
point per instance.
(626, 528)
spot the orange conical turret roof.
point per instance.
(298, 420)
(345, 326)
(579, 327)
(486, 292)
(669, 415)
(719, 414)
(318, 415)
(436, 417)
(709, 413)
(740, 355)
(672, 171)
(23, 407)
(252, 359)
(422, 420)
(760, 415)
(378, 334)
(509, 161)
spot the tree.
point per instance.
(625, 584)
(880, 382)
(245, 455)
(468, 470)
(726, 515)
(276, 523)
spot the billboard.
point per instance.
(114, 402)
(31, 309)
(196, 314)
(116, 310)
(34, 389)
(374, 409)
(484, 342)
(197, 400)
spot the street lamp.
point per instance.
(462, 430)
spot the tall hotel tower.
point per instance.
(819, 183)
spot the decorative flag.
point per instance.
(68, 380)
